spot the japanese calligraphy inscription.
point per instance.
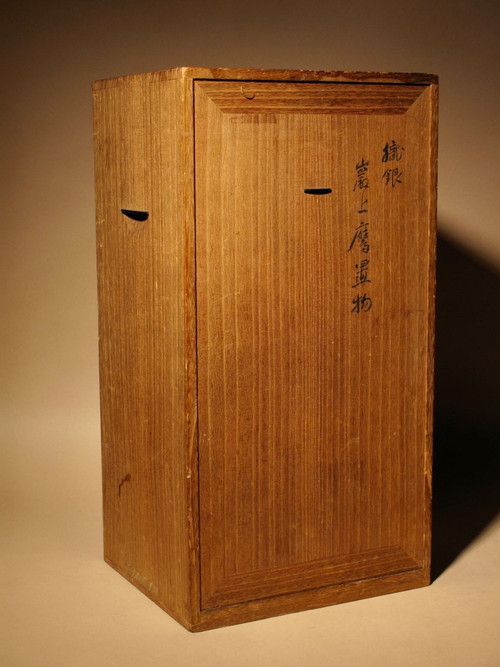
(393, 176)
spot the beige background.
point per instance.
(61, 604)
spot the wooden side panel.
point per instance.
(313, 335)
(143, 337)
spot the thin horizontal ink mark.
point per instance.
(140, 216)
(317, 191)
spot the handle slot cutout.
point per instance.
(317, 191)
(139, 216)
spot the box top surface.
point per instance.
(226, 73)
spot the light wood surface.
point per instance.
(278, 75)
(241, 323)
(143, 299)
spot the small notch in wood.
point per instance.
(317, 191)
(139, 216)
(249, 96)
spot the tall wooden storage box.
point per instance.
(266, 245)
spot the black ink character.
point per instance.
(362, 273)
(392, 151)
(362, 304)
(392, 176)
(361, 177)
(361, 237)
(363, 203)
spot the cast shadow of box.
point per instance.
(467, 403)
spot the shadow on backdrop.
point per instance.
(467, 402)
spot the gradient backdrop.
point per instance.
(64, 606)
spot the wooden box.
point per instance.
(266, 245)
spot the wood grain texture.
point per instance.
(144, 329)
(245, 74)
(266, 449)
(306, 473)
(257, 97)
(312, 599)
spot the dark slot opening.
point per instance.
(140, 216)
(317, 191)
